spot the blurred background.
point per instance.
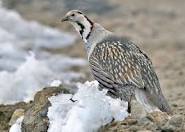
(57, 52)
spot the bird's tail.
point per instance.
(163, 104)
(152, 103)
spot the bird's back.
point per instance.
(116, 61)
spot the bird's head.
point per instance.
(73, 16)
(80, 22)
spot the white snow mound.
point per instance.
(91, 110)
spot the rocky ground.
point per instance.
(156, 26)
(36, 120)
(153, 122)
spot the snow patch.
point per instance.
(22, 84)
(21, 76)
(18, 35)
(31, 33)
(33, 75)
(17, 126)
(91, 110)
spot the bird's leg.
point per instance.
(126, 94)
(129, 107)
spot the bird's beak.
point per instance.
(65, 19)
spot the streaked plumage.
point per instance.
(121, 67)
(117, 63)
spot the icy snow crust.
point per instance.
(23, 74)
(91, 110)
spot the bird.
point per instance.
(119, 65)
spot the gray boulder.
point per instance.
(35, 118)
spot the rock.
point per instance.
(129, 121)
(6, 112)
(35, 118)
(144, 131)
(174, 124)
(137, 109)
(158, 117)
(176, 120)
(17, 113)
(156, 121)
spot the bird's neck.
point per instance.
(84, 28)
(91, 33)
(98, 33)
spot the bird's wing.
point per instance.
(121, 62)
(148, 74)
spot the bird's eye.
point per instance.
(73, 15)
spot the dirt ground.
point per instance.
(157, 26)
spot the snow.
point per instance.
(30, 77)
(17, 126)
(22, 84)
(18, 35)
(23, 74)
(91, 110)
(55, 83)
(31, 33)
(61, 62)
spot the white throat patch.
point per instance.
(83, 28)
